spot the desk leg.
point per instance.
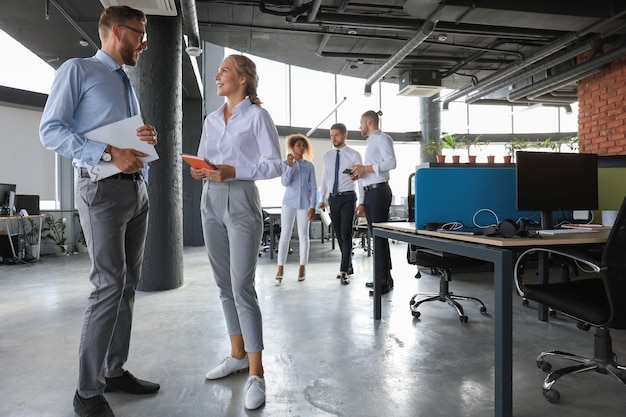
(543, 271)
(377, 288)
(271, 237)
(503, 334)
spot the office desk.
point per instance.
(498, 251)
(7, 222)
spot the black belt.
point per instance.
(343, 193)
(83, 173)
(374, 186)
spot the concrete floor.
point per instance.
(324, 354)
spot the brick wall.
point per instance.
(602, 112)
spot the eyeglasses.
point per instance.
(144, 35)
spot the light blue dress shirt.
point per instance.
(380, 155)
(249, 142)
(86, 93)
(301, 192)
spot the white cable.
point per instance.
(489, 225)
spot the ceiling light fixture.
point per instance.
(83, 42)
(442, 38)
(352, 31)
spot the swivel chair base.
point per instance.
(444, 295)
(604, 362)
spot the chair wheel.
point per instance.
(483, 310)
(463, 319)
(552, 395)
(416, 314)
(412, 301)
(418, 275)
(525, 302)
(544, 366)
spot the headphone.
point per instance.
(508, 228)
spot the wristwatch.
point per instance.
(106, 155)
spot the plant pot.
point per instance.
(471, 159)
(441, 158)
(34, 251)
(507, 159)
(456, 159)
(491, 159)
(63, 250)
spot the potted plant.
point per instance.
(570, 142)
(548, 143)
(434, 146)
(32, 236)
(454, 143)
(473, 144)
(55, 232)
(517, 144)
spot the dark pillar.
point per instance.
(157, 79)
(430, 124)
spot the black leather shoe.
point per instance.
(344, 279)
(385, 286)
(369, 284)
(92, 407)
(128, 383)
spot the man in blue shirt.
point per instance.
(86, 94)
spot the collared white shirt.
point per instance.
(380, 155)
(301, 192)
(347, 158)
(249, 142)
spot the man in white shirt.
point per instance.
(339, 188)
(374, 174)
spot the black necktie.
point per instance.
(336, 184)
(129, 92)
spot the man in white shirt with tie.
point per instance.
(339, 189)
(374, 174)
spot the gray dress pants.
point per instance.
(114, 217)
(232, 223)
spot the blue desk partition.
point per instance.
(457, 193)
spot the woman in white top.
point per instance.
(299, 200)
(240, 138)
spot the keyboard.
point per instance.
(558, 232)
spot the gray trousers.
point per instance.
(114, 217)
(232, 222)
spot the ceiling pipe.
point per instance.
(548, 50)
(544, 65)
(577, 73)
(533, 69)
(190, 20)
(315, 8)
(425, 31)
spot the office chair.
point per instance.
(442, 264)
(593, 302)
(361, 233)
(266, 244)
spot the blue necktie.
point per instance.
(336, 184)
(129, 93)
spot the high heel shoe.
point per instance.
(279, 278)
(301, 274)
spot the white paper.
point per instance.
(122, 134)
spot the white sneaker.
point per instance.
(255, 393)
(229, 365)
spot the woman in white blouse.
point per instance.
(241, 140)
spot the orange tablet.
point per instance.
(197, 162)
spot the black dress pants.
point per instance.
(376, 204)
(342, 215)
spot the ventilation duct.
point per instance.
(420, 83)
(150, 7)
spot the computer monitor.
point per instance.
(550, 181)
(7, 199)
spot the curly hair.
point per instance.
(291, 141)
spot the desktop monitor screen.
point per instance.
(7, 198)
(549, 181)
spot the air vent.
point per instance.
(149, 7)
(420, 83)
